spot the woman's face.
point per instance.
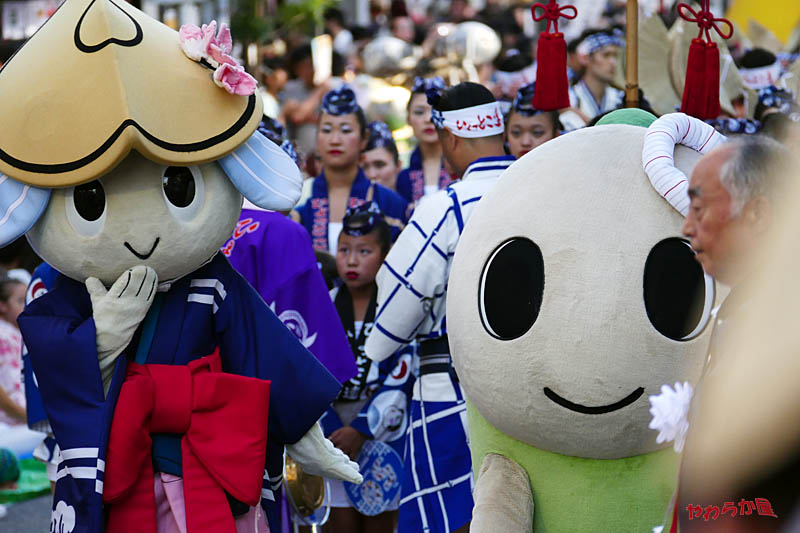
(523, 134)
(358, 259)
(380, 166)
(11, 308)
(339, 141)
(419, 118)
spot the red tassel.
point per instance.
(695, 91)
(713, 109)
(701, 93)
(552, 86)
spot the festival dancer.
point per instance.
(374, 404)
(412, 288)
(426, 172)
(526, 126)
(380, 159)
(593, 94)
(341, 136)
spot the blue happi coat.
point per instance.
(209, 308)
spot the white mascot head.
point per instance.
(133, 146)
(573, 297)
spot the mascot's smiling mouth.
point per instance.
(603, 409)
(143, 256)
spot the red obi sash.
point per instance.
(223, 419)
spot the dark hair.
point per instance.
(465, 94)
(361, 118)
(19, 254)
(512, 62)
(327, 267)
(756, 58)
(335, 15)
(338, 65)
(553, 117)
(298, 55)
(383, 234)
(5, 288)
(274, 63)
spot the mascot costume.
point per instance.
(170, 386)
(572, 298)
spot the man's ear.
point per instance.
(758, 213)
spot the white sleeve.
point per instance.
(415, 273)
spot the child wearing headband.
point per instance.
(374, 404)
(527, 127)
(341, 136)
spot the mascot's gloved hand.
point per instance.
(317, 456)
(118, 312)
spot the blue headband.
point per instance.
(523, 101)
(341, 101)
(597, 41)
(422, 85)
(735, 126)
(361, 219)
(780, 99)
(379, 136)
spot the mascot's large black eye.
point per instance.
(179, 186)
(678, 296)
(511, 290)
(90, 200)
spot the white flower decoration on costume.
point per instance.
(670, 411)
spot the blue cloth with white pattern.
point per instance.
(209, 308)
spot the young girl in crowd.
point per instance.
(12, 395)
(341, 136)
(374, 404)
(380, 159)
(426, 172)
(527, 127)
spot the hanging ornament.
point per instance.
(552, 85)
(701, 92)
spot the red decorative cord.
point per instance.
(552, 12)
(705, 20)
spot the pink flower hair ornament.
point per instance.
(211, 48)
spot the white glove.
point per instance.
(317, 456)
(118, 312)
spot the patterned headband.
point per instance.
(523, 101)
(597, 41)
(780, 99)
(379, 136)
(422, 85)
(361, 219)
(735, 126)
(341, 101)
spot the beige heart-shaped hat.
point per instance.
(99, 79)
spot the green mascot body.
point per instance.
(572, 299)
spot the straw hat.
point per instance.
(654, 54)
(762, 37)
(100, 79)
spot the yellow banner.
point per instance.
(780, 16)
